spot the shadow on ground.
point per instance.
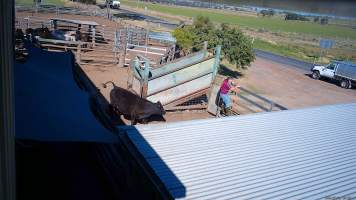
(132, 16)
(225, 71)
(331, 81)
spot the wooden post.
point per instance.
(216, 61)
(131, 73)
(125, 46)
(271, 106)
(117, 47)
(103, 32)
(55, 25)
(107, 9)
(145, 79)
(147, 32)
(79, 48)
(93, 36)
(36, 6)
(57, 10)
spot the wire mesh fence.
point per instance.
(202, 100)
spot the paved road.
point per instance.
(290, 62)
(151, 19)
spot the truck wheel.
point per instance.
(344, 83)
(316, 75)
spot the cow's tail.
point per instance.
(105, 84)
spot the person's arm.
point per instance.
(235, 89)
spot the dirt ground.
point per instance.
(293, 88)
(100, 75)
(287, 86)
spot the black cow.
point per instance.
(130, 105)
(19, 35)
(42, 32)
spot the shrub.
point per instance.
(87, 1)
(294, 16)
(268, 13)
(185, 39)
(236, 47)
(324, 21)
(316, 19)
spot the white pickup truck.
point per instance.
(115, 4)
(112, 4)
(343, 72)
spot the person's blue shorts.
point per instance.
(226, 99)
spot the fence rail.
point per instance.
(60, 10)
(271, 104)
(248, 101)
(123, 42)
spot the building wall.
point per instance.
(7, 134)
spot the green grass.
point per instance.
(285, 50)
(306, 53)
(30, 2)
(273, 24)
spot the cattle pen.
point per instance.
(141, 60)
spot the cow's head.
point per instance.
(19, 32)
(29, 31)
(162, 111)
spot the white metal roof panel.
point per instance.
(296, 154)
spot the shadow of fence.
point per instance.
(251, 101)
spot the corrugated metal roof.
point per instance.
(297, 154)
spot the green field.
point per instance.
(286, 50)
(30, 2)
(272, 24)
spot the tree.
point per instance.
(324, 21)
(316, 19)
(268, 13)
(204, 30)
(203, 24)
(236, 47)
(295, 16)
(185, 39)
(87, 1)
